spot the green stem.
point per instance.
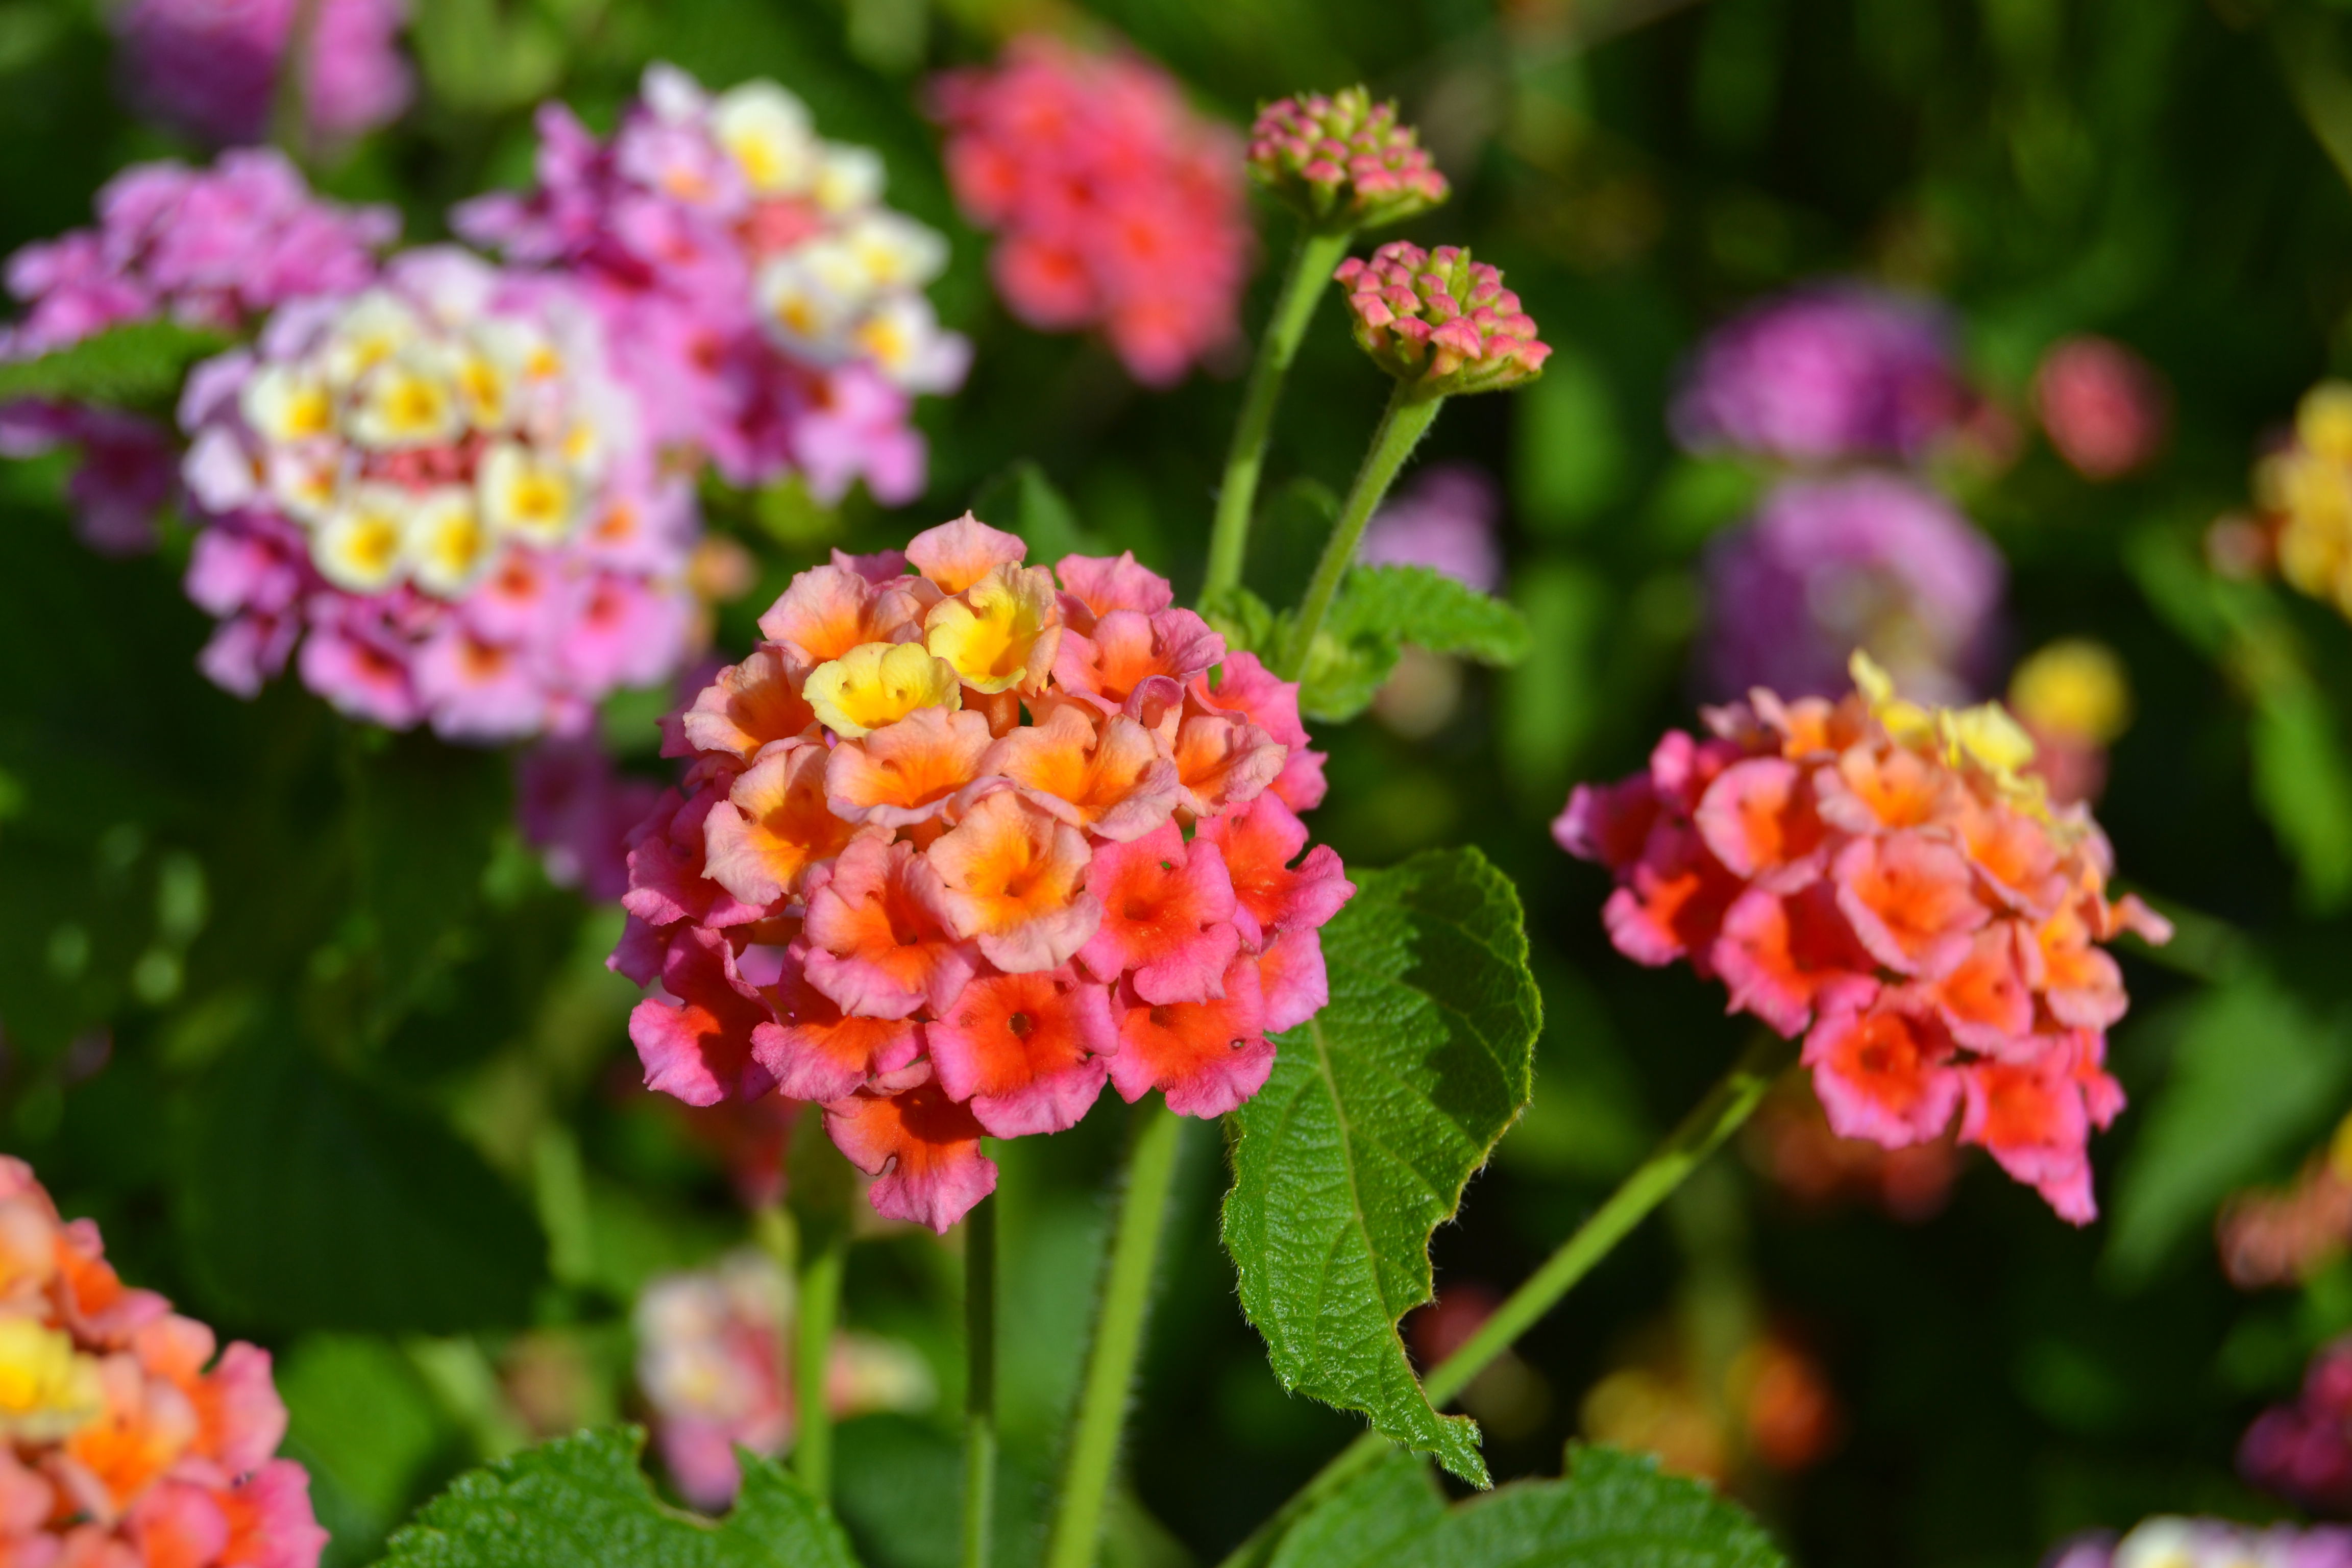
(1715, 1118)
(1118, 1338)
(290, 108)
(979, 1382)
(1312, 262)
(1402, 424)
(825, 1250)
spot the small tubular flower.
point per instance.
(1891, 883)
(1115, 207)
(1343, 158)
(750, 276)
(1440, 321)
(1000, 632)
(461, 515)
(937, 918)
(129, 1442)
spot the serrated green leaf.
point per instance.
(1243, 620)
(582, 1503)
(138, 365)
(1612, 1510)
(1378, 611)
(2256, 1074)
(1378, 1112)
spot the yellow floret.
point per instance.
(990, 632)
(2323, 421)
(48, 1391)
(879, 683)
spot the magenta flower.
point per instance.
(212, 67)
(1343, 158)
(1871, 561)
(756, 291)
(2303, 1451)
(1115, 207)
(578, 810)
(1440, 319)
(214, 247)
(1834, 372)
(436, 487)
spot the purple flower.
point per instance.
(578, 810)
(758, 294)
(211, 66)
(1445, 520)
(1829, 374)
(1871, 561)
(214, 247)
(2303, 1451)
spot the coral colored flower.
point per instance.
(215, 69)
(2103, 407)
(924, 1147)
(754, 285)
(1118, 207)
(129, 1442)
(214, 247)
(1873, 561)
(1343, 158)
(1827, 374)
(1440, 320)
(932, 907)
(1892, 883)
(436, 460)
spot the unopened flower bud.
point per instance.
(1440, 319)
(1343, 158)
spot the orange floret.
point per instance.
(1012, 878)
(773, 827)
(906, 772)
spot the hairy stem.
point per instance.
(1118, 1338)
(1715, 1118)
(1312, 262)
(825, 1250)
(1402, 424)
(979, 1382)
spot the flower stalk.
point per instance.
(825, 1255)
(979, 1382)
(1409, 412)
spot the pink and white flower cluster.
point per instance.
(1885, 881)
(757, 293)
(882, 890)
(214, 247)
(128, 1444)
(1115, 207)
(436, 487)
(1440, 320)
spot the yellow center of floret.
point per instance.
(875, 684)
(47, 1390)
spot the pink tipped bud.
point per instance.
(1343, 159)
(1440, 319)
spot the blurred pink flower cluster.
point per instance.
(1116, 206)
(882, 891)
(1441, 320)
(436, 487)
(215, 248)
(760, 296)
(214, 67)
(578, 810)
(2169, 1541)
(710, 1363)
(1885, 880)
(129, 1444)
(2105, 408)
(1343, 158)
(2303, 1451)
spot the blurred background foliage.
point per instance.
(292, 1010)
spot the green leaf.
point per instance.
(1023, 500)
(2256, 1075)
(138, 365)
(305, 1200)
(1378, 1112)
(1612, 1510)
(1378, 610)
(582, 1503)
(1243, 620)
(2302, 783)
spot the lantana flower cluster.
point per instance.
(1885, 881)
(215, 69)
(2169, 1541)
(929, 866)
(1440, 320)
(2105, 409)
(1342, 157)
(2286, 1235)
(128, 1445)
(758, 292)
(2305, 490)
(2303, 1451)
(437, 488)
(710, 1363)
(1115, 207)
(213, 248)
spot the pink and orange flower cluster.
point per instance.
(883, 891)
(1884, 880)
(1440, 320)
(1116, 206)
(129, 1444)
